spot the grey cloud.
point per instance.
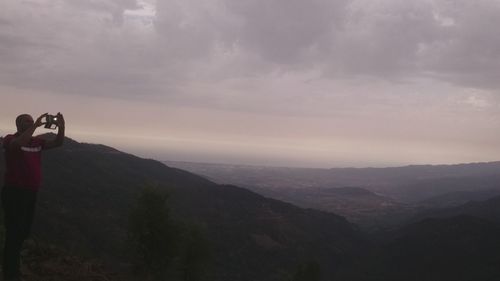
(114, 7)
(383, 40)
(469, 54)
(448, 40)
(281, 33)
(76, 49)
(285, 31)
(5, 22)
(389, 39)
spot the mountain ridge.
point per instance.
(88, 190)
(408, 184)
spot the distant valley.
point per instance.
(371, 197)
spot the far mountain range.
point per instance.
(368, 196)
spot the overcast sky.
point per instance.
(316, 83)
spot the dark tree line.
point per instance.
(162, 248)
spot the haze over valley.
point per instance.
(369, 196)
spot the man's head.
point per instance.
(24, 122)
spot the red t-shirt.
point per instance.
(23, 165)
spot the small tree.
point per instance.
(151, 233)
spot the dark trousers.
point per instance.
(19, 208)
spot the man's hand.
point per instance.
(39, 121)
(60, 133)
(60, 120)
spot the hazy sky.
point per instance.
(322, 83)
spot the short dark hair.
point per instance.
(20, 117)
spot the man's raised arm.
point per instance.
(26, 134)
(60, 134)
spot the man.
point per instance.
(21, 183)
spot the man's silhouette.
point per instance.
(21, 183)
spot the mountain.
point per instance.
(379, 197)
(454, 243)
(488, 210)
(89, 190)
(450, 244)
(40, 260)
(408, 184)
(421, 190)
(457, 198)
(358, 205)
(458, 248)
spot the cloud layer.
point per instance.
(367, 68)
(64, 44)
